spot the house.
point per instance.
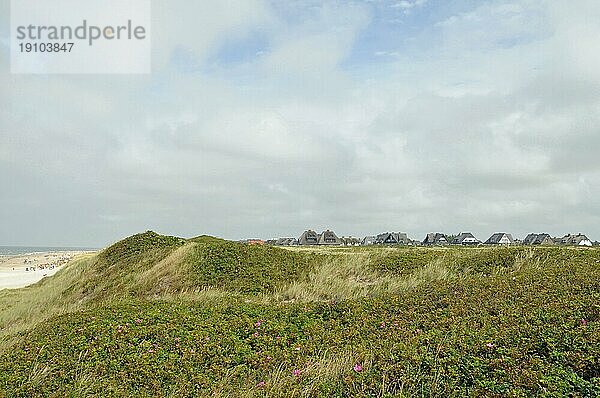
(368, 241)
(538, 239)
(392, 238)
(286, 242)
(500, 238)
(435, 239)
(308, 238)
(329, 238)
(465, 239)
(350, 241)
(596, 243)
(575, 240)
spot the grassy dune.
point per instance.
(163, 316)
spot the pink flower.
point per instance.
(138, 321)
(255, 334)
(260, 384)
(382, 325)
(583, 322)
(489, 345)
(296, 372)
(258, 323)
(358, 367)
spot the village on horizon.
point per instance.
(329, 238)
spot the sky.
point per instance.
(266, 118)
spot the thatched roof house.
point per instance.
(466, 239)
(576, 240)
(350, 241)
(368, 240)
(500, 238)
(308, 238)
(286, 242)
(538, 239)
(435, 239)
(329, 238)
(392, 238)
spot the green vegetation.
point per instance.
(162, 316)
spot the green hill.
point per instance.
(164, 316)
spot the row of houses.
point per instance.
(329, 238)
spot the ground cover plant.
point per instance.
(161, 316)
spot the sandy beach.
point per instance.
(23, 270)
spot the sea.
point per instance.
(19, 250)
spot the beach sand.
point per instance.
(23, 270)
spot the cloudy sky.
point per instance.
(264, 118)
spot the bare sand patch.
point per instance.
(23, 270)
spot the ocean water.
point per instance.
(18, 250)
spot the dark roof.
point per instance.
(497, 237)
(286, 242)
(329, 238)
(308, 237)
(465, 237)
(537, 239)
(541, 238)
(435, 239)
(392, 238)
(573, 239)
(529, 239)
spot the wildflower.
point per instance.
(296, 348)
(489, 345)
(255, 334)
(358, 367)
(138, 321)
(583, 322)
(260, 384)
(296, 372)
(258, 323)
(382, 325)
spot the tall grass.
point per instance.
(350, 276)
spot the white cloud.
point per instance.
(490, 124)
(407, 5)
